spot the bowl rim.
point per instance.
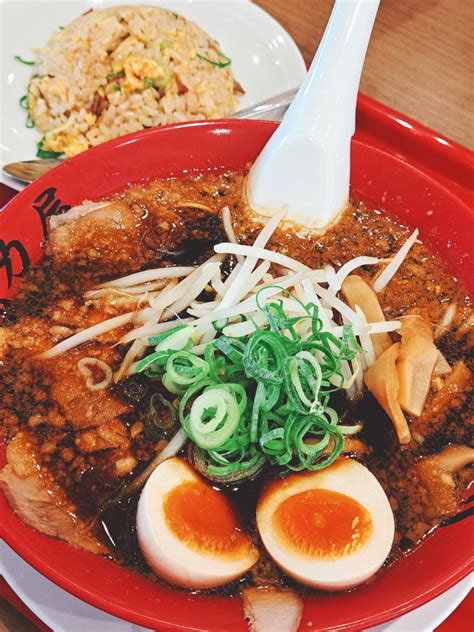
(33, 558)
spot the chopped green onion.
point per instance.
(303, 377)
(166, 78)
(24, 102)
(213, 418)
(24, 61)
(165, 44)
(116, 75)
(257, 404)
(181, 339)
(223, 60)
(155, 340)
(134, 390)
(262, 397)
(161, 418)
(152, 361)
(231, 348)
(227, 473)
(182, 370)
(44, 153)
(217, 365)
(264, 357)
(218, 325)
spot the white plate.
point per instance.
(64, 613)
(265, 59)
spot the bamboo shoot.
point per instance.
(441, 367)
(357, 292)
(382, 381)
(416, 360)
(446, 321)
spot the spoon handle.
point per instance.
(273, 104)
(332, 82)
(28, 170)
(306, 163)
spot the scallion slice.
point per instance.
(222, 62)
(262, 397)
(24, 61)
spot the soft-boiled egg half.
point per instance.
(189, 533)
(330, 529)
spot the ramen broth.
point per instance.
(177, 222)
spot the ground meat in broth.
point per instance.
(92, 443)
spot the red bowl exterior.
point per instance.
(399, 186)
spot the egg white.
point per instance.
(170, 558)
(347, 477)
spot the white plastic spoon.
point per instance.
(306, 163)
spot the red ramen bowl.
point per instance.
(398, 185)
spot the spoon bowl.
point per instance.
(306, 163)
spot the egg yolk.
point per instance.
(322, 524)
(203, 519)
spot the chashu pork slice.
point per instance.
(37, 499)
(82, 407)
(98, 234)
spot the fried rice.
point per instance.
(118, 70)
